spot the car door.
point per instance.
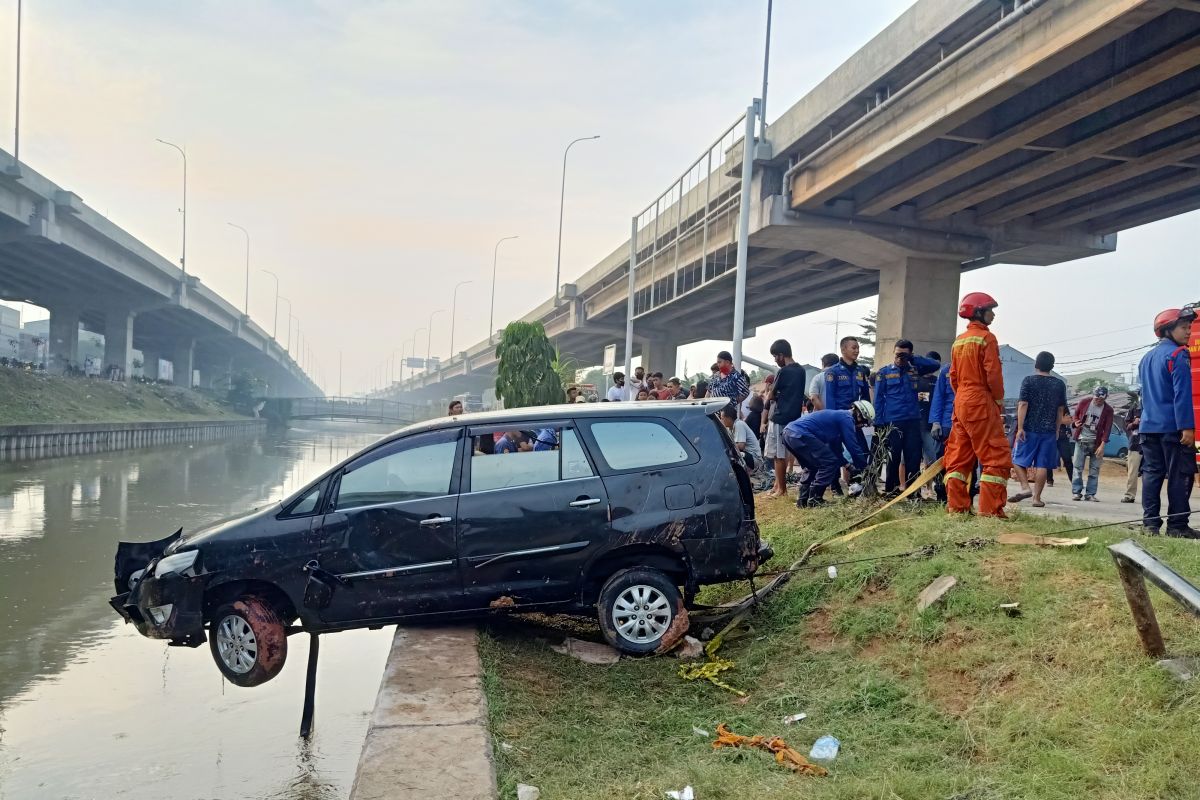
(392, 521)
(528, 521)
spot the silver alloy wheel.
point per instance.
(641, 614)
(236, 644)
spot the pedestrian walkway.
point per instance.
(428, 737)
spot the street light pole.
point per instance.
(429, 337)
(17, 112)
(246, 306)
(416, 335)
(492, 312)
(183, 251)
(275, 324)
(562, 196)
(454, 314)
(762, 108)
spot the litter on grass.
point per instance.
(527, 792)
(698, 731)
(825, 748)
(685, 793)
(794, 718)
(1040, 541)
(588, 652)
(784, 755)
(935, 591)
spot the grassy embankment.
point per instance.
(961, 701)
(28, 398)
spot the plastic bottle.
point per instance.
(825, 748)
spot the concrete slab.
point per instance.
(428, 736)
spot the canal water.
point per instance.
(91, 709)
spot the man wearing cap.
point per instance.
(728, 382)
(1168, 424)
(1093, 422)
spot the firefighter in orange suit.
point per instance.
(978, 430)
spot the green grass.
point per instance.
(961, 701)
(28, 398)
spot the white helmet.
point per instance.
(867, 410)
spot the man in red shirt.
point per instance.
(1093, 423)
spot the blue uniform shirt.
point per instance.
(896, 390)
(834, 428)
(844, 384)
(1166, 377)
(941, 404)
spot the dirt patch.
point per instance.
(1001, 570)
(818, 632)
(954, 691)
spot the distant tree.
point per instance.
(1088, 384)
(243, 389)
(526, 374)
(866, 339)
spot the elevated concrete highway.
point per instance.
(965, 134)
(58, 253)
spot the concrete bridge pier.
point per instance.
(150, 357)
(118, 341)
(660, 355)
(182, 354)
(918, 300)
(63, 347)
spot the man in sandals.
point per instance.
(1043, 401)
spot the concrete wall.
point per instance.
(20, 442)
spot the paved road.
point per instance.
(1108, 509)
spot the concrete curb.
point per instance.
(428, 736)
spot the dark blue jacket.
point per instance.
(896, 390)
(941, 405)
(834, 428)
(844, 384)
(1166, 377)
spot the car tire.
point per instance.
(1123, 453)
(636, 609)
(248, 641)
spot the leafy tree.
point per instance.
(242, 390)
(870, 331)
(566, 368)
(526, 374)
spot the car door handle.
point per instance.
(436, 521)
(584, 502)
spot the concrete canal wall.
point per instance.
(428, 738)
(20, 442)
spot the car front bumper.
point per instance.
(168, 607)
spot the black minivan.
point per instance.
(588, 508)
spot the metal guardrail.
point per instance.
(1135, 566)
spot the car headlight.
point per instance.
(180, 563)
(160, 614)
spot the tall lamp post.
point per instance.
(17, 110)
(183, 250)
(492, 312)
(454, 314)
(561, 200)
(275, 324)
(288, 346)
(246, 306)
(429, 337)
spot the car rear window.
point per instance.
(636, 444)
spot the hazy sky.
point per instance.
(377, 150)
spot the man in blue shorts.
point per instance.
(1043, 402)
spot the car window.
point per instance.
(635, 444)
(523, 458)
(410, 473)
(306, 504)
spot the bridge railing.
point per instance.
(357, 407)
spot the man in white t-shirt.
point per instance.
(617, 392)
(744, 439)
(816, 387)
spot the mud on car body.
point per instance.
(602, 509)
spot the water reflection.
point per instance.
(74, 680)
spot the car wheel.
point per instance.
(636, 609)
(248, 641)
(1123, 452)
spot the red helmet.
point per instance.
(975, 302)
(1167, 319)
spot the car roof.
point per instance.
(651, 408)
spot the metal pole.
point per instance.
(562, 196)
(183, 252)
(246, 306)
(17, 112)
(492, 313)
(414, 341)
(339, 373)
(762, 108)
(454, 314)
(287, 347)
(429, 337)
(275, 324)
(633, 231)
(739, 297)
